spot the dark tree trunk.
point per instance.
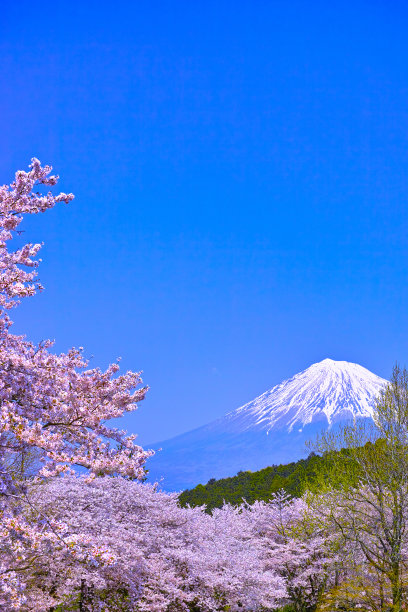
(86, 597)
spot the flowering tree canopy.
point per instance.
(166, 557)
(51, 405)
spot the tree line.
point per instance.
(261, 485)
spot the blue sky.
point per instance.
(240, 172)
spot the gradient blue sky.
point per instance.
(240, 171)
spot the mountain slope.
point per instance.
(271, 429)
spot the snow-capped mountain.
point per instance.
(329, 390)
(271, 429)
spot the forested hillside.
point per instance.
(251, 486)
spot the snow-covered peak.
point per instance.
(328, 390)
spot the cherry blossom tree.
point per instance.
(51, 405)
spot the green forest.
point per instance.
(251, 486)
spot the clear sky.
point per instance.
(241, 180)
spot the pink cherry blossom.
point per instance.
(52, 404)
